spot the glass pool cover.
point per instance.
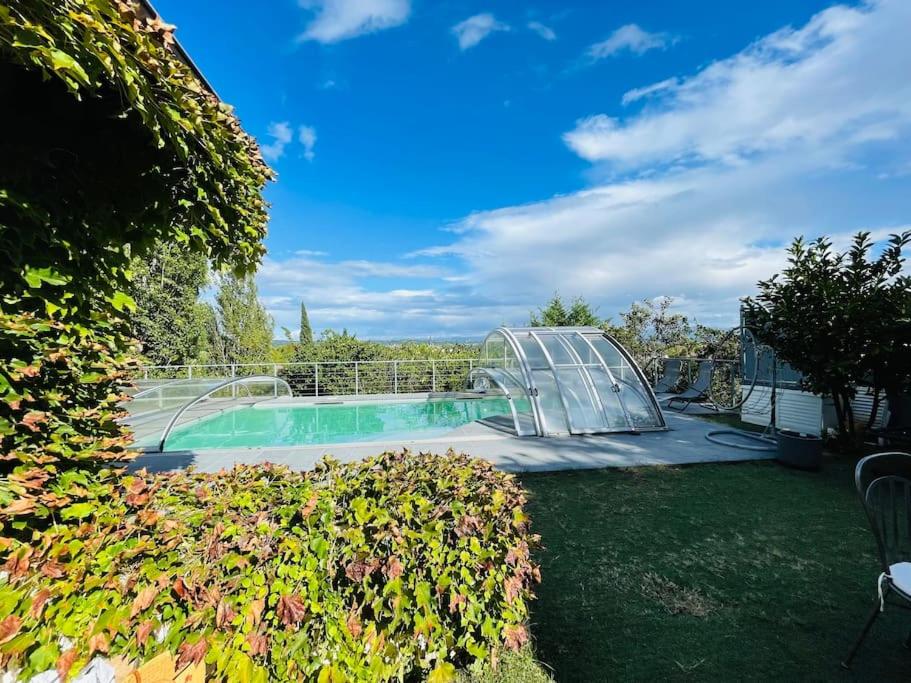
(566, 380)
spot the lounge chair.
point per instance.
(670, 378)
(883, 483)
(698, 391)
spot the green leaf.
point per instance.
(77, 511)
(61, 61)
(122, 300)
(443, 673)
(36, 277)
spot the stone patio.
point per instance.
(684, 443)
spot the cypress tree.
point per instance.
(306, 333)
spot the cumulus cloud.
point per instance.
(545, 32)
(307, 137)
(695, 196)
(474, 29)
(707, 187)
(841, 77)
(281, 135)
(377, 299)
(336, 20)
(629, 38)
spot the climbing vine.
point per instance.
(110, 142)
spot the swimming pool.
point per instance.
(270, 425)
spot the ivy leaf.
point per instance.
(65, 663)
(77, 511)
(290, 610)
(142, 601)
(35, 277)
(122, 301)
(191, 653)
(443, 673)
(331, 674)
(61, 61)
(9, 627)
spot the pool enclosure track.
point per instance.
(241, 381)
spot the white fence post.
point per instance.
(395, 377)
(433, 371)
(357, 378)
(316, 379)
(189, 372)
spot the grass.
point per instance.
(719, 572)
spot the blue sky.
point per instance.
(446, 166)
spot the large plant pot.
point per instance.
(796, 450)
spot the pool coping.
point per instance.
(682, 444)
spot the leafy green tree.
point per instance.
(240, 329)
(169, 319)
(649, 330)
(556, 314)
(306, 333)
(840, 319)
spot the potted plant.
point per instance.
(840, 319)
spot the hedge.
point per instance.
(401, 566)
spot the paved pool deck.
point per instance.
(684, 443)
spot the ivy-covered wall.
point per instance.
(109, 143)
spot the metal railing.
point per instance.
(333, 378)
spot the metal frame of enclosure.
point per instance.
(229, 383)
(567, 380)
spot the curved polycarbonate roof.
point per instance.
(567, 380)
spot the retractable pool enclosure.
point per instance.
(566, 380)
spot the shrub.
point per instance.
(840, 319)
(402, 565)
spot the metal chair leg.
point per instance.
(846, 663)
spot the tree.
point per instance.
(649, 330)
(840, 319)
(555, 314)
(306, 333)
(169, 319)
(240, 329)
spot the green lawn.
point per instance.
(720, 572)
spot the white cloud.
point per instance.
(804, 132)
(637, 94)
(788, 137)
(337, 20)
(473, 30)
(281, 135)
(307, 137)
(545, 32)
(632, 38)
(843, 75)
(376, 299)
